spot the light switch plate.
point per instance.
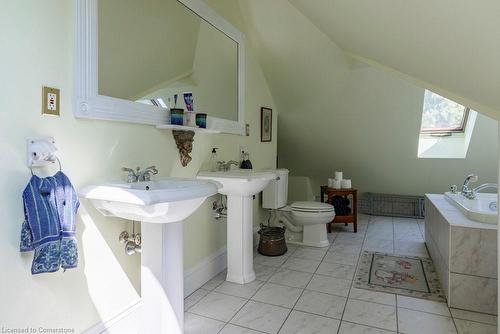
(50, 101)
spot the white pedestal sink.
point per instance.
(239, 186)
(161, 206)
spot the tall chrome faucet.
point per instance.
(465, 187)
(140, 175)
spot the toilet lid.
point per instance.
(311, 206)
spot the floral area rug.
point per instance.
(403, 275)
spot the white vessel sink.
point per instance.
(240, 185)
(160, 206)
(243, 182)
(164, 201)
(483, 208)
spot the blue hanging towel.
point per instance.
(50, 207)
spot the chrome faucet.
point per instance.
(138, 175)
(468, 193)
(145, 175)
(132, 175)
(481, 187)
(231, 162)
(225, 166)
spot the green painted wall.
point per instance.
(339, 114)
(107, 280)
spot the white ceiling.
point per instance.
(449, 46)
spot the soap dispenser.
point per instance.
(213, 160)
(246, 163)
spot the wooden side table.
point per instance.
(329, 193)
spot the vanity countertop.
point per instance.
(453, 215)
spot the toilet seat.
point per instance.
(311, 206)
(310, 219)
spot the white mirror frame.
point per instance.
(89, 104)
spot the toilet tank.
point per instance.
(275, 195)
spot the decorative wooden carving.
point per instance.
(184, 141)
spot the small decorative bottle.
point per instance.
(246, 163)
(213, 160)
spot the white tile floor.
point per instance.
(309, 291)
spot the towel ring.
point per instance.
(58, 161)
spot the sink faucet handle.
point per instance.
(231, 162)
(130, 171)
(466, 191)
(145, 175)
(220, 165)
(472, 178)
(468, 179)
(132, 175)
(152, 169)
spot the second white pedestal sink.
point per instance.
(239, 186)
(161, 206)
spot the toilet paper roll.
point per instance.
(346, 184)
(337, 184)
(330, 183)
(339, 176)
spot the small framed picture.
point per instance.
(266, 124)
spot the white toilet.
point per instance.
(304, 221)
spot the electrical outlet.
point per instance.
(50, 101)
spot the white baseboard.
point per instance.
(198, 275)
(124, 322)
(129, 319)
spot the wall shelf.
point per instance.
(185, 128)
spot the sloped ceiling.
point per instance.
(452, 47)
(336, 113)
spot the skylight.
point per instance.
(441, 115)
(446, 128)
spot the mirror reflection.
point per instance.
(159, 52)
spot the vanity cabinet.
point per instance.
(464, 253)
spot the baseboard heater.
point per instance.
(391, 205)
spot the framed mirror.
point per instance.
(136, 60)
